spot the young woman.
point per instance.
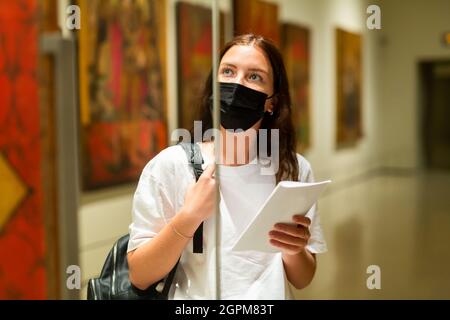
(169, 206)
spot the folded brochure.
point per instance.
(287, 199)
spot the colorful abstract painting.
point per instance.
(122, 88)
(258, 17)
(296, 54)
(349, 84)
(194, 38)
(22, 225)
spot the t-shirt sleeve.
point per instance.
(152, 207)
(316, 243)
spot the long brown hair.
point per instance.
(281, 118)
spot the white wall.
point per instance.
(322, 17)
(390, 100)
(412, 32)
(106, 215)
(103, 218)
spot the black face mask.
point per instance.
(240, 106)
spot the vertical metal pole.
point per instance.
(217, 144)
(67, 156)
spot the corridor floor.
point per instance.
(399, 221)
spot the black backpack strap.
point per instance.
(194, 155)
(197, 245)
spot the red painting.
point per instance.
(349, 87)
(194, 58)
(295, 50)
(258, 17)
(122, 89)
(22, 232)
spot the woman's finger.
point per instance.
(285, 247)
(293, 230)
(209, 170)
(303, 220)
(286, 238)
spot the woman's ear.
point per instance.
(271, 103)
(274, 102)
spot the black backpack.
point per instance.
(114, 283)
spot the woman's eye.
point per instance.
(255, 77)
(227, 72)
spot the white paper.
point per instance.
(287, 199)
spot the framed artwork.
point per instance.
(349, 85)
(295, 47)
(23, 269)
(122, 89)
(194, 39)
(258, 17)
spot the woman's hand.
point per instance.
(291, 239)
(199, 201)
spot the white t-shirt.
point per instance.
(243, 189)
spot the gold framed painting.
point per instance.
(348, 88)
(258, 17)
(296, 54)
(194, 41)
(122, 88)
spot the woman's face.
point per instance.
(248, 66)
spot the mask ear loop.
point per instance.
(275, 93)
(271, 96)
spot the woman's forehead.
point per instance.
(249, 57)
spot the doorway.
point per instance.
(435, 84)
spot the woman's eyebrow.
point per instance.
(250, 69)
(228, 65)
(258, 70)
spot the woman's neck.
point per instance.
(236, 149)
(233, 153)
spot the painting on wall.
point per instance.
(349, 86)
(23, 251)
(258, 17)
(122, 89)
(194, 38)
(295, 47)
